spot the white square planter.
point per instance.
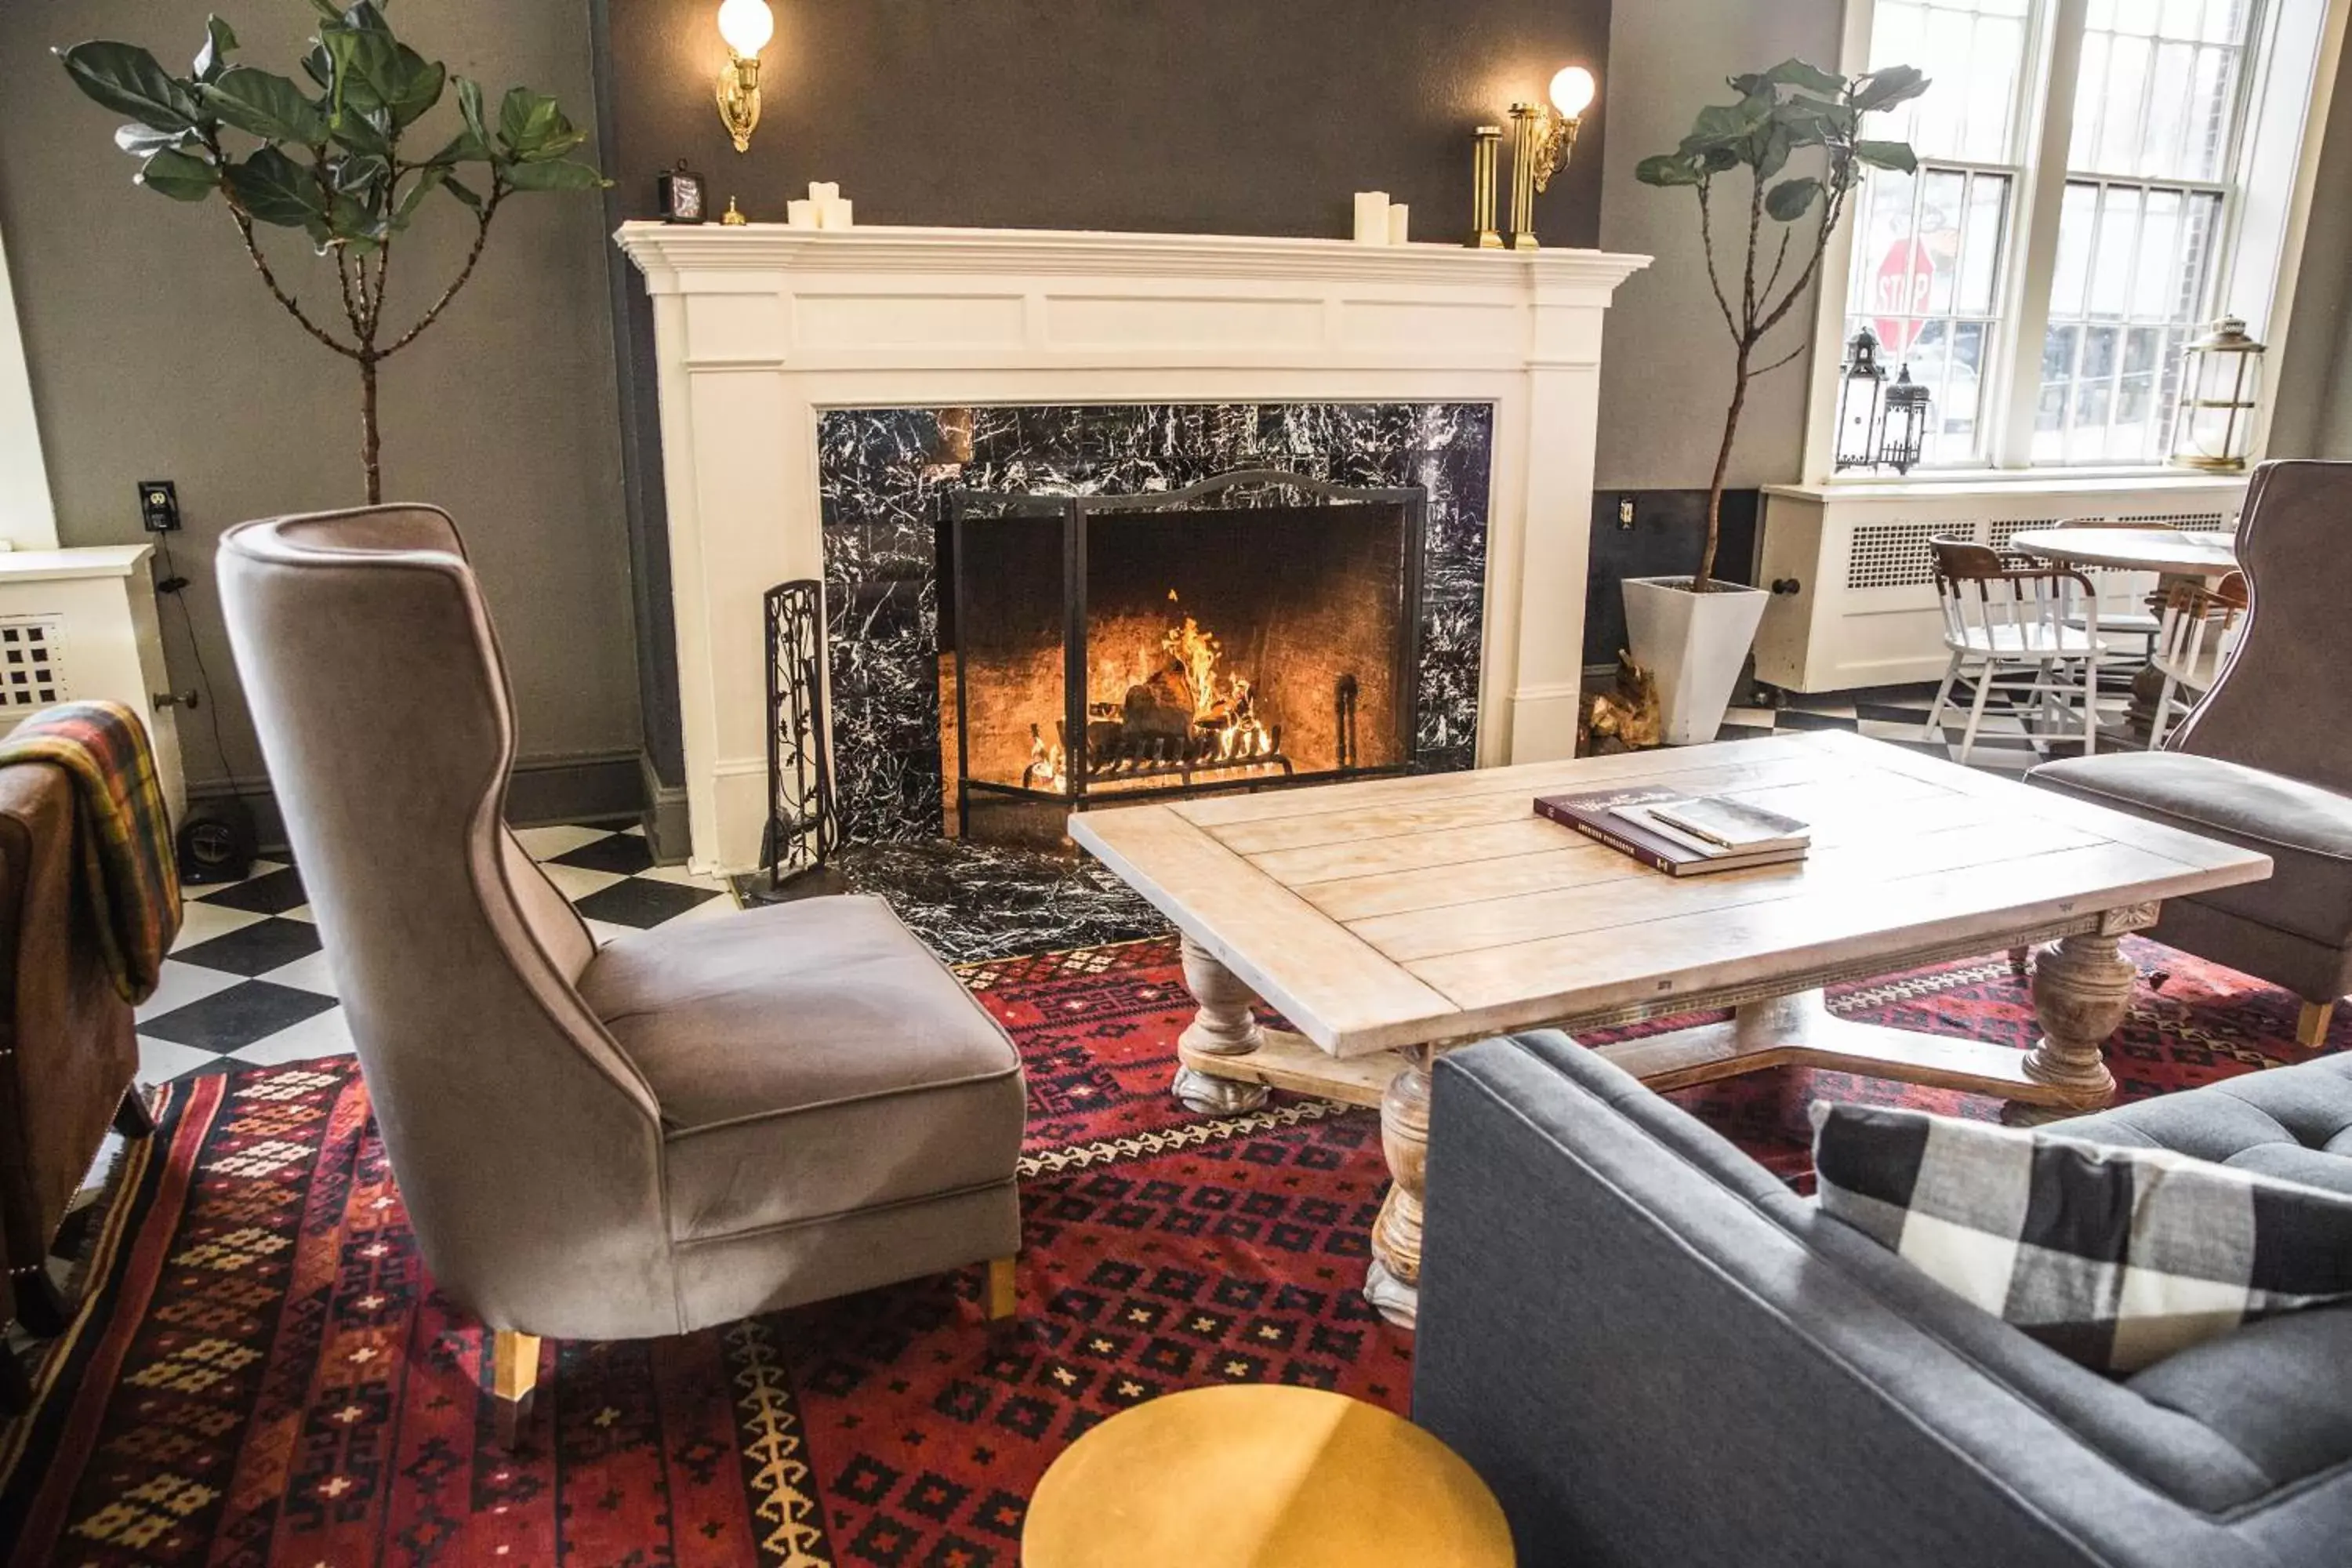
(1692, 645)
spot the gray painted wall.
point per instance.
(1211, 116)
(1666, 374)
(155, 353)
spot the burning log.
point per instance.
(1180, 717)
(1163, 706)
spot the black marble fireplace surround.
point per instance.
(884, 476)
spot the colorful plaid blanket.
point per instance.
(123, 828)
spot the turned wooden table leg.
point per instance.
(2082, 991)
(1224, 1026)
(1394, 1284)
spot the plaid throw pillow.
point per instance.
(2114, 1257)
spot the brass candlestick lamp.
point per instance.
(1542, 136)
(1485, 143)
(747, 25)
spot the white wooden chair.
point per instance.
(2200, 630)
(2031, 631)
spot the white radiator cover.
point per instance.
(93, 610)
(1864, 610)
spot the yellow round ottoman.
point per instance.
(1261, 1476)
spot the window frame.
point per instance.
(2293, 44)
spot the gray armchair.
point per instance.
(2267, 759)
(694, 1124)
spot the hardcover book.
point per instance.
(1617, 818)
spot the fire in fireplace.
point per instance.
(1253, 630)
(1179, 714)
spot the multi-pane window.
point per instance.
(1949, 268)
(1931, 248)
(2156, 111)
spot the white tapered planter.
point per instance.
(1692, 645)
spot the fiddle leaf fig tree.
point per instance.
(342, 155)
(1792, 152)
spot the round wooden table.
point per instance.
(1261, 1476)
(2161, 550)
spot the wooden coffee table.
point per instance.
(1391, 918)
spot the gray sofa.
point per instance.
(1657, 1354)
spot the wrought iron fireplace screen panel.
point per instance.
(1097, 751)
(802, 828)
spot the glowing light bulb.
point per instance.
(746, 25)
(1572, 91)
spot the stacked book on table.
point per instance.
(1681, 834)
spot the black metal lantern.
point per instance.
(1860, 399)
(684, 197)
(1903, 428)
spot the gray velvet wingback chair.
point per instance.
(2267, 759)
(718, 1118)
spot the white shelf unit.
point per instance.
(1863, 611)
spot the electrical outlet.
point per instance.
(1624, 511)
(159, 506)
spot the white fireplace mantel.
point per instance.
(760, 329)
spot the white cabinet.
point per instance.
(81, 625)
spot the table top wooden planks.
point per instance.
(1428, 911)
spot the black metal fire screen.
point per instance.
(1085, 664)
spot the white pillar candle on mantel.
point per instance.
(826, 192)
(836, 213)
(1371, 217)
(800, 214)
(1400, 221)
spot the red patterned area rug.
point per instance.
(262, 1375)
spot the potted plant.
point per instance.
(1796, 134)
(334, 159)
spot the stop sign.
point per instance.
(1906, 277)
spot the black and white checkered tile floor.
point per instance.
(1899, 714)
(247, 983)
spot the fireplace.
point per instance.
(1255, 628)
(1098, 364)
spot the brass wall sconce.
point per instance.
(747, 25)
(1542, 136)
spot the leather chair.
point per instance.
(695, 1124)
(68, 1050)
(2267, 759)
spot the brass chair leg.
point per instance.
(998, 1295)
(514, 1377)
(2311, 1029)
